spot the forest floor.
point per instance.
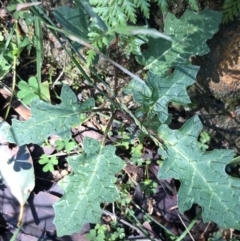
(215, 97)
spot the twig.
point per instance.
(115, 80)
(205, 230)
(58, 78)
(102, 109)
(114, 217)
(108, 127)
(13, 86)
(59, 154)
(188, 230)
(189, 226)
(152, 219)
(44, 179)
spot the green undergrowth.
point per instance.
(231, 9)
(122, 12)
(94, 165)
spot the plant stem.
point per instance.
(190, 226)
(108, 127)
(13, 85)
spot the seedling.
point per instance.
(65, 144)
(31, 90)
(136, 152)
(204, 141)
(48, 162)
(148, 186)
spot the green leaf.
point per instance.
(136, 154)
(73, 20)
(155, 94)
(93, 15)
(44, 159)
(202, 175)
(6, 134)
(4, 66)
(48, 162)
(70, 145)
(163, 5)
(130, 10)
(91, 184)
(117, 12)
(193, 4)
(47, 119)
(144, 6)
(31, 91)
(235, 161)
(59, 144)
(131, 44)
(54, 160)
(189, 38)
(231, 9)
(136, 30)
(16, 169)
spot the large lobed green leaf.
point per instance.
(189, 38)
(91, 184)
(155, 94)
(47, 119)
(202, 175)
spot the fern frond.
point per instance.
(163, 5)
(144, 6)
(121, 16)
(231, 9)
(193, 4)
(115, 12)
(99, 3)
(99, 40)
(131, 44)
(91, 54)
(130, 9)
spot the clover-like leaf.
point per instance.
(155, 94)
(29, 91)
(202, 175)
(48, 162)
(189, 33)
(47, 119)
(91, 184)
